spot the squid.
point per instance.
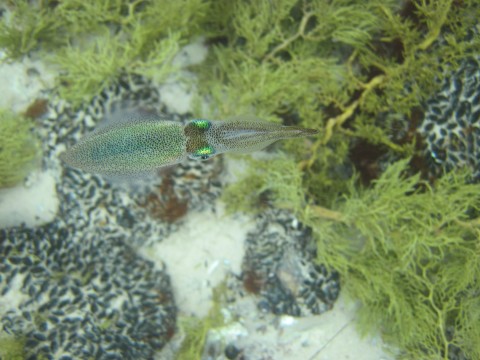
(146, 142)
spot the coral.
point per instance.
(18, 148)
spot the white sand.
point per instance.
(33, 205)
(200, 254)
(25, 79)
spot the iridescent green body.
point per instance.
(129, 148)
(147, 144)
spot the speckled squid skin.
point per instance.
(129, 148)
(139, 146)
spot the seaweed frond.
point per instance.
(407, 249)
(24, 27)
(410, 254)
(94, 41)
(87, 70)
(278, 181)
(336, 66)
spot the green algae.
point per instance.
(92, 42)
(18, 148)
(12, 347)
(195, 330)
(410, 255)
(407, 249)
(333, 64)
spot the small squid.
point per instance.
(146, 142)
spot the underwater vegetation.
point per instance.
(195, 330)
(404, 235)
(393, 207)
(92, 42)
(12, 347)
(411, 256)
(18, 148)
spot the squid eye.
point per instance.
(203, 153)
(201, 124)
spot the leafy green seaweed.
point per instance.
(333, 63)
(23, 29)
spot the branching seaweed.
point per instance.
(18, 148)
(337, 66)
(407, 248)
(88, 70)
(93, 41)
(24, 28)
(196, 330)
(411, 257)
(408, 251)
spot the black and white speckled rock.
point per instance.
(451, 126)
(279, 265)
(79, 289)
(83, 294)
